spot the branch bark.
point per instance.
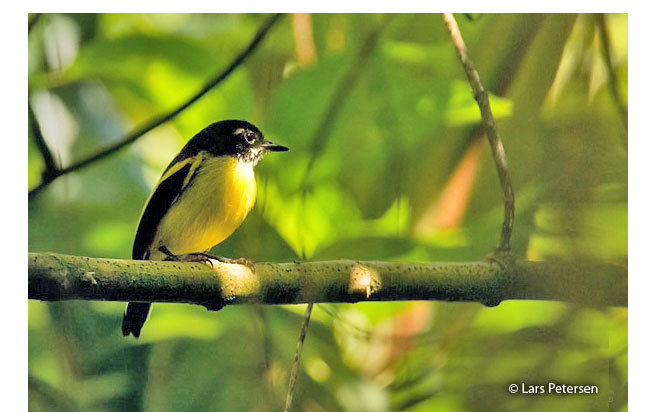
(489, 124)
(165, 117)
(54, 277)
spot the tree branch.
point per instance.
(62, 277)
(480, 95)
(159, 120)
(50, 165)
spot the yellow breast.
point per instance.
(211, 208)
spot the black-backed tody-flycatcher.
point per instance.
(202, 197)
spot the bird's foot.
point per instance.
(169, 255)
(199, 257)
(206, 258)
(239, 261)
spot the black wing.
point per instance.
(166, 192)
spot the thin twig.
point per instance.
(481, 97)
(297, 358)
(341, 94)
(613, 79)
(148, 126)
(50, 165)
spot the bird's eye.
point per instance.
(249, 137)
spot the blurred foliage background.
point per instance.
(402, 173)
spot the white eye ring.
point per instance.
(250, 137)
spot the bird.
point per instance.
(202, 197)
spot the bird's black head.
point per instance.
(234, 138)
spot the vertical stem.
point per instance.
(297, 358)
(489, 124)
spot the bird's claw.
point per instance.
(239, 261)
(206, 258)
(198, 257)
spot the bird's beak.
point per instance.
(267, 145)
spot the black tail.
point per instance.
(134, 318)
